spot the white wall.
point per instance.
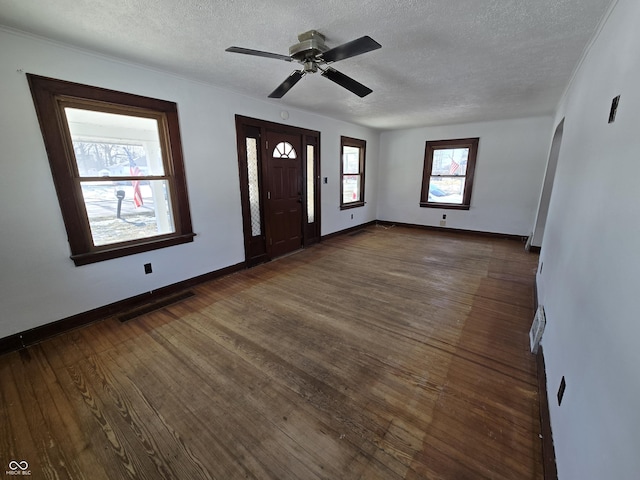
(38, 282)
(547, 187)
(510, 167)
(590, 283)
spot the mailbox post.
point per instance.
(120, 196)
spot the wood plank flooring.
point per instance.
(393, 354)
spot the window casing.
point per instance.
(116, 161)
(447, 178)
(352, 162)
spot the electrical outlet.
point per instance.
(147, 268)
(443, 223)
(352, 216)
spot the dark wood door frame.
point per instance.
(256, 244)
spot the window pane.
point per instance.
(310, 185)
(113, 145)
(254, 188)
(144, 208)
(350, 159)
(350, 188)
(450, 161)
(446, 190)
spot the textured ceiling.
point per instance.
(441, 62)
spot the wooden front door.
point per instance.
(284, 193)
(279, 167)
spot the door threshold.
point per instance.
(285, 255)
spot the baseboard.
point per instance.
(37, 334)
(348, 230)
(519, 238)
(548, 450)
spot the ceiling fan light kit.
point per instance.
(312, 53)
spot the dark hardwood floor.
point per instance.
(395, 353)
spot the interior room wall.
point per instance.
(547, 187)
(38, 282)
(590, 261)
(510, 167)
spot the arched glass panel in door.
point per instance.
(284, 150)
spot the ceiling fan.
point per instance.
(314, 55)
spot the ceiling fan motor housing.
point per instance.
(311, 44)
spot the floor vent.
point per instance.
(537, 328)
(157, 305)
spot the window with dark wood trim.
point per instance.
(447, 178)
(116, 161)
(352, 161)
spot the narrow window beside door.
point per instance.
(254, 186)
(310, 185)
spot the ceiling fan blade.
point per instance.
(351, 49)
(285, 86)
(259, 53)
(346, 82)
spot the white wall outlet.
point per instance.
(443, 223)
